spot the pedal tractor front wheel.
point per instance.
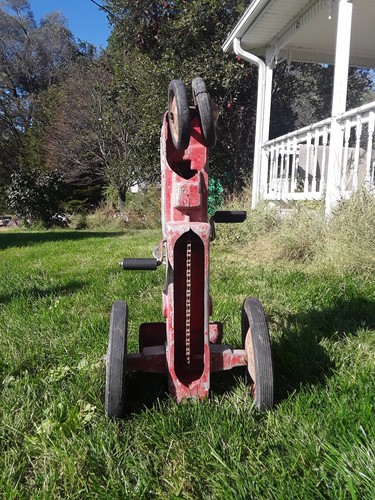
(203, 103)
(178, 114)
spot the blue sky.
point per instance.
(86, 21)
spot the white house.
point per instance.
(331, 158)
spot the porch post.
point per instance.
(340, 87)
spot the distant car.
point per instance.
(60, 220)
(7, 221)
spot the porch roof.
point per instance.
(304, 30)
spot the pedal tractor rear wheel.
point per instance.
(256, 342)
(114, 400)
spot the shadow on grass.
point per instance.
(299, 359)
(22, 239)
(146, 390)
(298, 356)
(37, 293)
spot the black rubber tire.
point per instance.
(203, 102)
(256, 342)
(114, 400)
(179, 114)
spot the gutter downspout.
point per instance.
(262, 121)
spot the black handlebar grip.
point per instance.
(230, 216)
(139, 264)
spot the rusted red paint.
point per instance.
(223, 358)
(188, 346)
(216, 332)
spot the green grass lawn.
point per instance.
(56, 292)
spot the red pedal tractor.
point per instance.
(187, 346)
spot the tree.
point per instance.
(32, 59)
(302, 94)
(35, 196)
(96, 139)
(154, 42)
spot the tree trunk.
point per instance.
(121, 198)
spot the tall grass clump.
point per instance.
(260, 221)
(350, 236)
(343, 243)
(141, 211)
(271, 234)
(296, 237)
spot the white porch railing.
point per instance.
(295, 165)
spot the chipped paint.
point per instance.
(187, 347)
